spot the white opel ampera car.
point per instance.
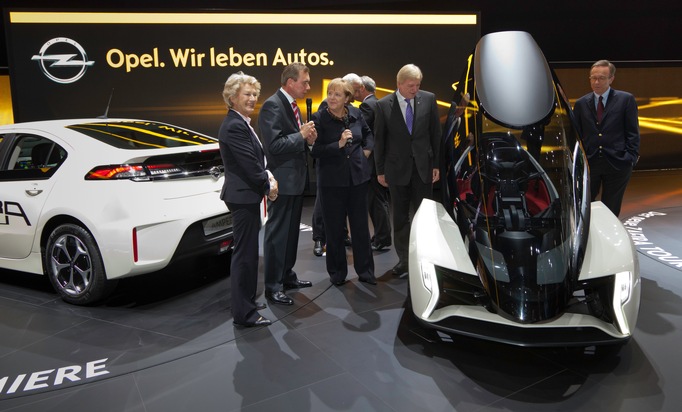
(515, 251)
(90, 201)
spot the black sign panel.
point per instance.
(171, 67)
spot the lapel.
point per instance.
(255, 142)
(288, 109)
(397, 113)
(611, 102)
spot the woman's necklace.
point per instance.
(335, 117)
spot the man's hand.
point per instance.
(274, 189)
(436, 175)
(309, 132)
(382, 180)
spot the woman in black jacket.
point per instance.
(344, 141)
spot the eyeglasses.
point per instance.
(599, 78)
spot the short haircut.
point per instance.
(606, 63)
(235, 82)
(353, 79)
(409, 72)
(292, 71)
(369, 84)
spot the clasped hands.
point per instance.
(309, 132)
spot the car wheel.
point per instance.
(73, 264)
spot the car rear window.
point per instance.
(142, 135)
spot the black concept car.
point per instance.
(515, 251)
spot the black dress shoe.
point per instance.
(261, 321)
(297, 284)
(380, 246)
(279, 297)
(399, 269)
(371, 281)
(318, 249)
(338, 282)
(261, 305)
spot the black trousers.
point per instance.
(379, 211)
(246, 224)
(402, 198)
(280, 241)
(611, 181)
(339, 202)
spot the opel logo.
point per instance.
(63, 60)
(215, 172)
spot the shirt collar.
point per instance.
(291, 99)
(604, 96)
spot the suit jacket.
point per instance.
(246, 181)
(394, 147)
(346, 166)
(368, 108)
(617, 136)
(284, 145)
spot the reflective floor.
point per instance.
(165, 342)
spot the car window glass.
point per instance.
(32, 157)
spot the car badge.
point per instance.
(63, 65)
(215, 172)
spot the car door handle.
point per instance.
(34, 192)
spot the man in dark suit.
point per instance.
(377, 199)
(608, 123)
(407, 135)
(285, 140)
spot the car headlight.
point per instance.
(622, 292)
(428, 275)
(623, 286)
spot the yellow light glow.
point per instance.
(239, 18)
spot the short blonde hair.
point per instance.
(409, 72)
(343, 85)
(235, 82)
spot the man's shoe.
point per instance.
(318, 248)
(399, 269)
(377, 246)
(297, 284)
(261, 321)
(371, 281)
(338, 282)
(279, 297)
(261, 305)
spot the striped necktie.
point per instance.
(297, 113)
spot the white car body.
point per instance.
(137, 225)
(516, 251)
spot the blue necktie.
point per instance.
(409, 116)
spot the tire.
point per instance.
(73, 263)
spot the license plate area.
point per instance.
(217, 224)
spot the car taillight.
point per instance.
(137, 172)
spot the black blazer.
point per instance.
(394, 146)
(246, 181)
(346, 166)
(618, 134)
(368, 107)
(284, 145)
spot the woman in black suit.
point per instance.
(247, 181)
(344, 141)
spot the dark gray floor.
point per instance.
(165, 342)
